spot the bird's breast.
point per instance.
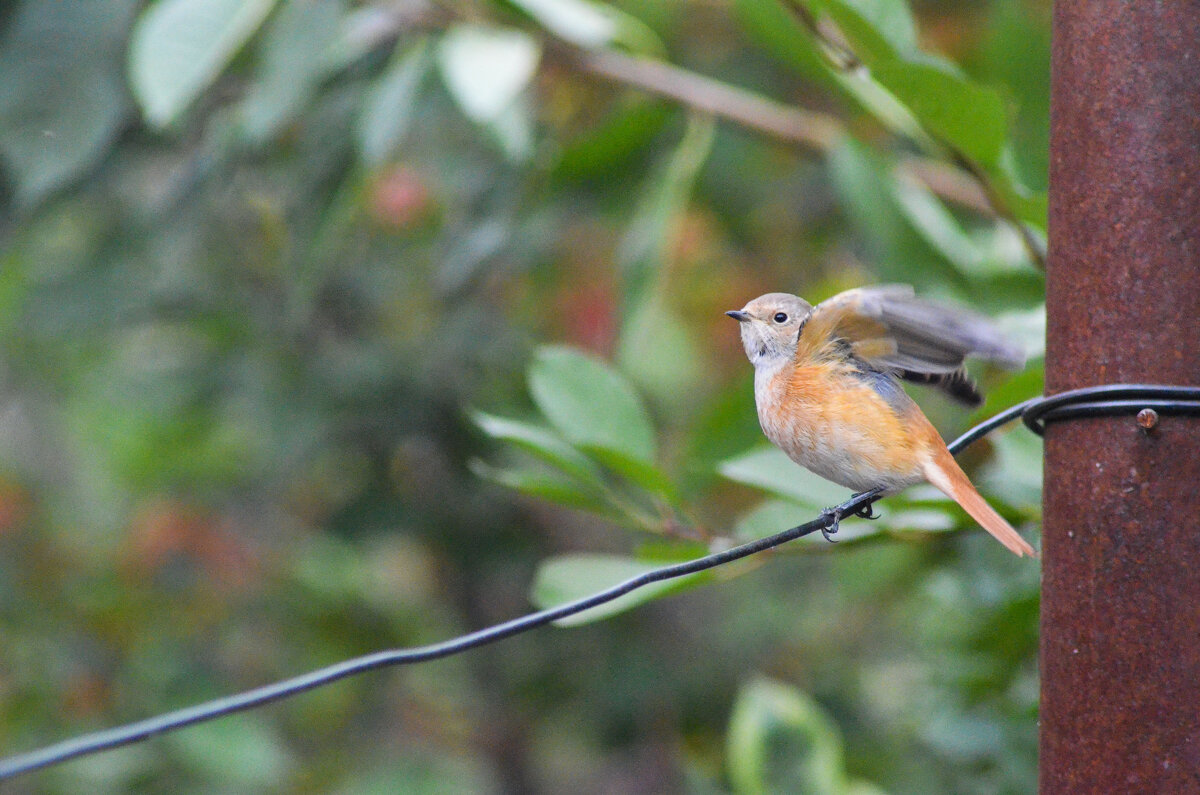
(829, 420)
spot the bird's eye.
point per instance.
(781, 317)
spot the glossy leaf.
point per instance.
(775, 516)
(963, 114)
(769, 469)
(720, 432)
(389, 107)
(486, 68)
(1029, 205)
(613, 141)
(540, 442)
(288, 73)
(780, 740)
(644, 474)
(1015, 474)
(922, 520)
(658, 350)
(665, 198)
(938, 226)
(358, 33)
(248, 753)
(876, 30)
(593, 25)
(881, 103)
(771, 25)
(545, 485)
(564, 579)
(865, 183)
(1027, 329)
(770, 517)
(178, 47)
(61, 97)
(590, 403)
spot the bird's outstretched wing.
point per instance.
(889, 329)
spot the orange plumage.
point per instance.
(827, 391)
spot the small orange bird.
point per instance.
(825, 382)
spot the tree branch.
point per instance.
(812, 130)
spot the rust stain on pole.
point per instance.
(1120, 634)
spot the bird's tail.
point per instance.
(944, 473)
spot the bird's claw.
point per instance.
(836, 514)
(864, 511)
(829, 531)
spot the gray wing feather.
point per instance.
(932, 338)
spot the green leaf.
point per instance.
(593, 25)
(865, 183)
(1015, 474)
(421, 771)
(605, 147)
(288, 73)
(62, 100)
(720, 431)
(550, 486)
(775, 516)
(1015, 389)
(923, 520)
(570, 577)
(771, 25)
(876, 30)
(957, 111)
(665, 197)
(882, 104)
(1026, 328)
(1032, 207)
(246, 752)
(865, 187)
(769, 469)
(178, 47)
(390, 104)
(780, 740)
(486, 68)
(359, 32)
(659, 352)
(860, 787)
(641, 473)
(768, 518)
(540, 442)
(938, 226)
(591, 404)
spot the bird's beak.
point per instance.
(738, 315)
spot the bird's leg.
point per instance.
(839, 512)
(865, 511)
(830, 530)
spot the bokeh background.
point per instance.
(331, 326)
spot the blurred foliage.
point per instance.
(281, 279)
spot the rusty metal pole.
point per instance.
(1120, 626)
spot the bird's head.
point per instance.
(770, 326)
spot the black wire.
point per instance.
(1103, 401)
(1036, 412)
(141, 730)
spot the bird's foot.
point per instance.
(866, 511)
(830, 530)
(836, 514)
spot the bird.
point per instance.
(827, 388)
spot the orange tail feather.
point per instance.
(944, 473)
